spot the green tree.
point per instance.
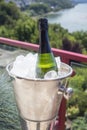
(57, 4)
(56, 34)
(81, 37)
(9, 12)
(26, 30)
(39, 8)
(6, 32)
(79, 124)
(69, 45)
(79, 85)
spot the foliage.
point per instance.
(71, 46)
(78, 104)
(56, 34)
(79, 124)
(39, 9)
(57, 4)
(85, 116)
(73, 112)
(78, 100)
(81, 37)
(26, 30)
(81, 77)
(9, 13)
(6, 32)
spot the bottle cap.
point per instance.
(43, 24)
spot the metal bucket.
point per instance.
(39, 100)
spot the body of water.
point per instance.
(73, 19)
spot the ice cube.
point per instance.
(19, 58)
(20, 67)
(32, 64)
(24, 66)
(51, 75)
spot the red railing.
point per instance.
(66, 57)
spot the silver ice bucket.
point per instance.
(39, 100)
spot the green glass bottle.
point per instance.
(45, 61)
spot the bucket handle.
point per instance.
(65, 91)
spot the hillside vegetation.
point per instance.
(17, 25)
(40, 7)
(56, 3)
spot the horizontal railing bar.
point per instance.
(20, 44)
(70, 55)
(65, 55)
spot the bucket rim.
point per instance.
(68, 74)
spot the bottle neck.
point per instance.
(44, 42)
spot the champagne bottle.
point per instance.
(45, 61)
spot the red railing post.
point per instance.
(62, 109)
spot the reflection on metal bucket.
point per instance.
(39, 100)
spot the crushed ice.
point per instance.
(24, 67)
